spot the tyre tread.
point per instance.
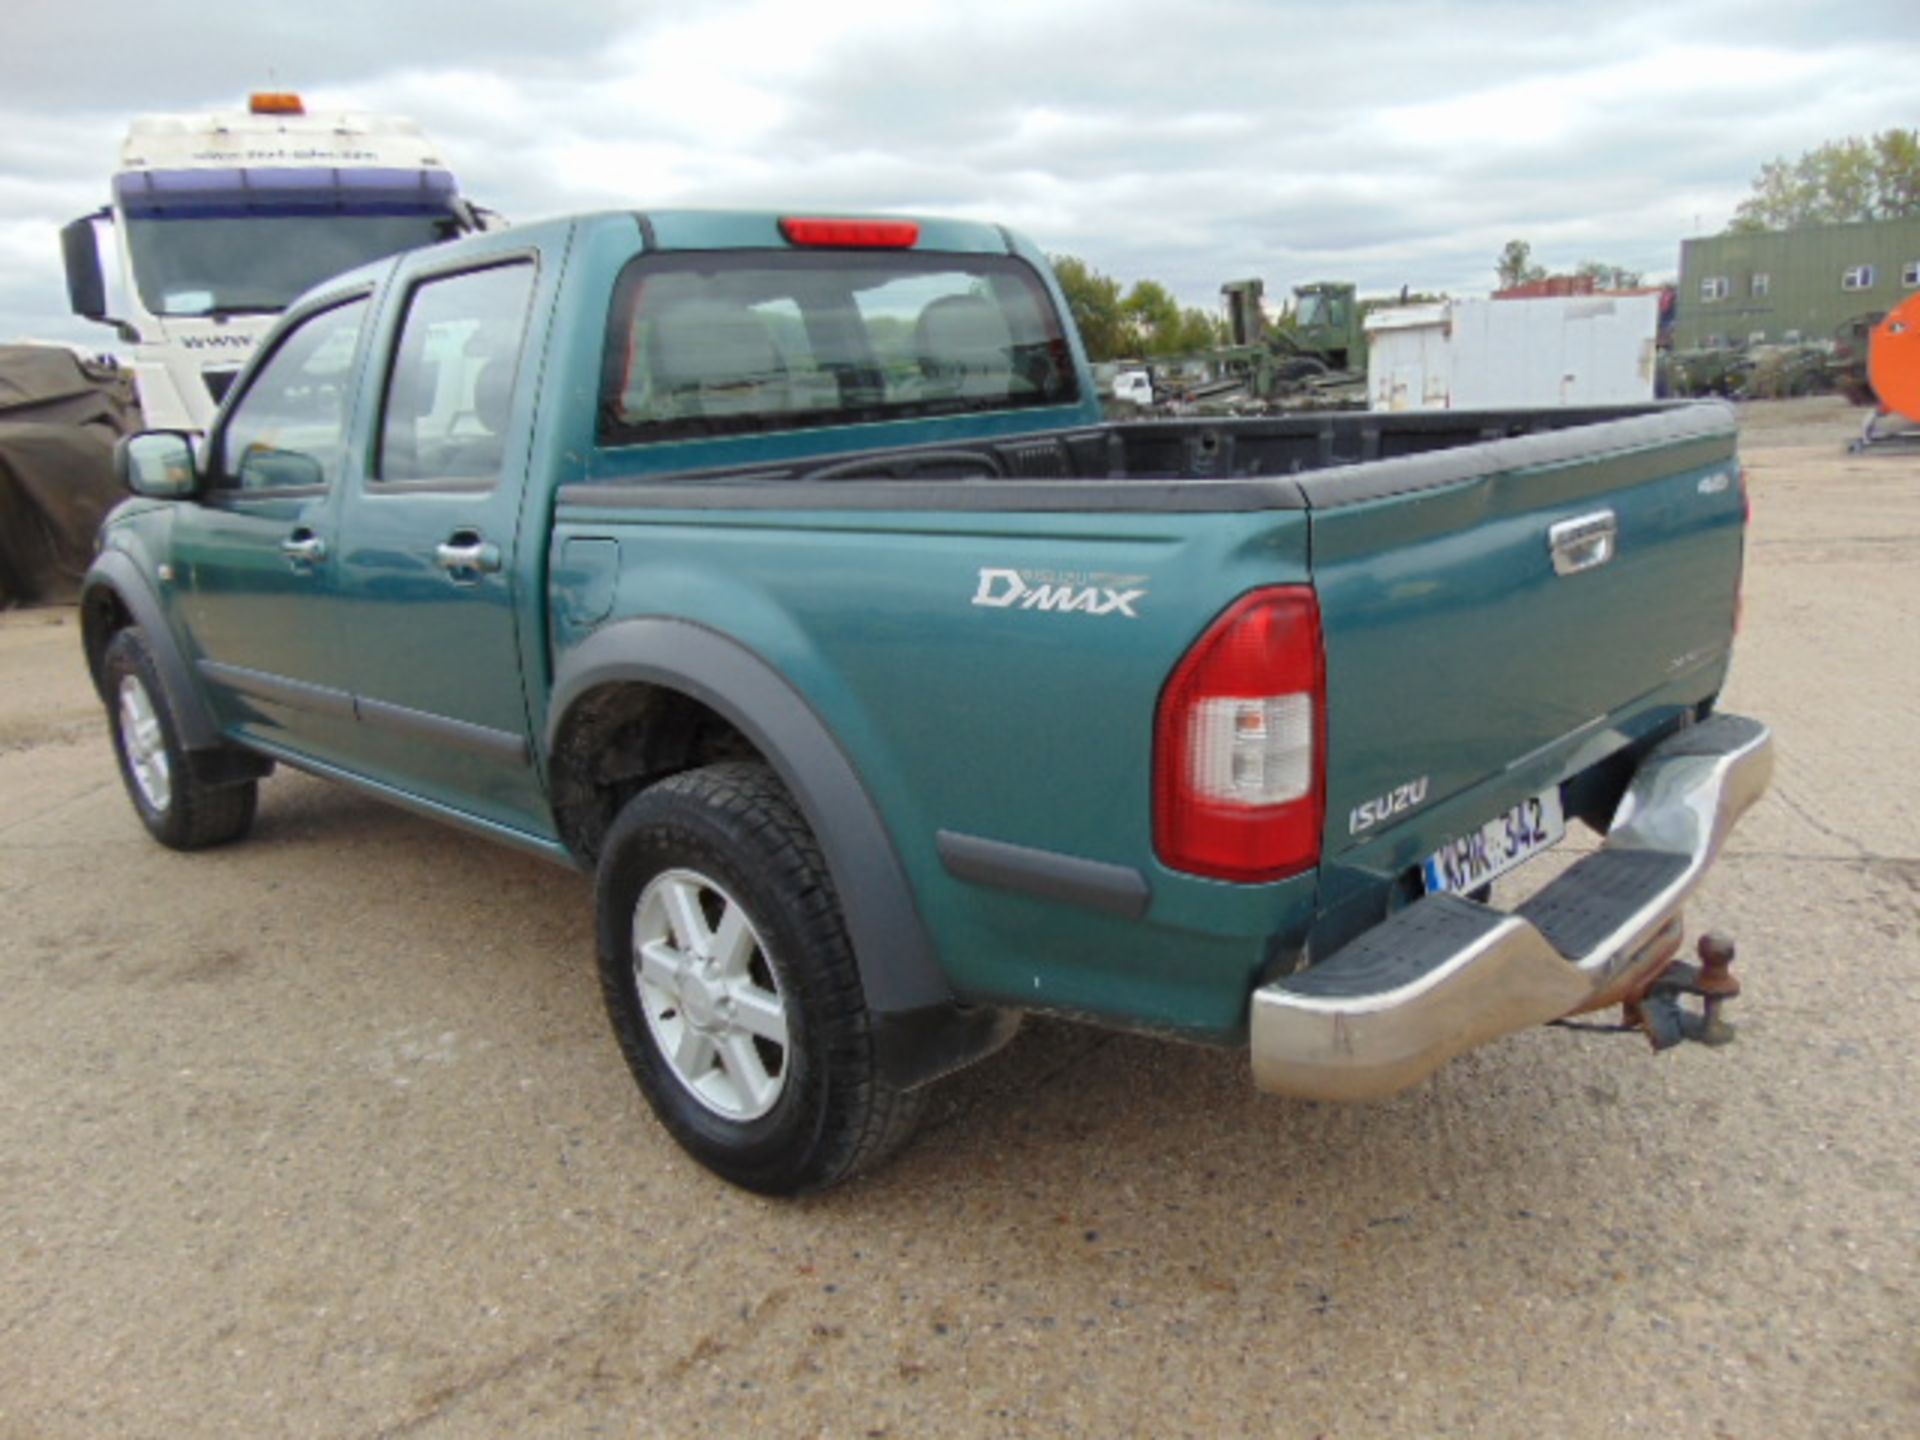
(868, 1118)
(198, 815)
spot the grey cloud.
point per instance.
(194, 54)
(1192, 143)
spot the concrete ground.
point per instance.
(326, 1134)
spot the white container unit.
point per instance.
(1507, 354)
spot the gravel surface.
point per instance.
(326, 1134)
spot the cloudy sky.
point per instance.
(1193, 141)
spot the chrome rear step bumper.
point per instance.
(1445, 974)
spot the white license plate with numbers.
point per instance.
(1535, 824)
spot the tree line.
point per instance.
(1143, 321)
(1875, 178)
(1838, 183)
(1515, 266)
(1871, 178)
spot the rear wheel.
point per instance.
(178, 809)
(733, 989)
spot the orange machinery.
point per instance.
(1893, 370)
(1893, 360)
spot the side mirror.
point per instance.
(264, 468)
(158, 464)
(86, 286)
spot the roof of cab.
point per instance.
(760, 230)
(692, 230)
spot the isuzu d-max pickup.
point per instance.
(781, 571)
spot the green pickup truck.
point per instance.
(781, 571)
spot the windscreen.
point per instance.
(226, 241)
(753, 341)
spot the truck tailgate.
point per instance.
(1466, 649)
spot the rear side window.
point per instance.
(750, 342)
(450, 392)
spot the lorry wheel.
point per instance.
(179, 810)
(732, 986)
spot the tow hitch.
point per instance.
(1663, 1016)
(1660, 1013)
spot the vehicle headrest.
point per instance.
(964, 341)
(708, 357)
(493, 392)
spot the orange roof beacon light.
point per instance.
(275, 102)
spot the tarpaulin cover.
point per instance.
(59, 417)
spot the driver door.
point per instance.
(257, 558)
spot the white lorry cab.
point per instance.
(219, 221)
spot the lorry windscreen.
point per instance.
(228, 241)
(745, 342)
(260, 264)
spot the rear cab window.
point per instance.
(755, 342)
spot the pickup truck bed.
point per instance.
(1458, 662)
(1211, 457)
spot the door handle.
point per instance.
(467, 553)
(303, 547)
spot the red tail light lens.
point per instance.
(1239, 776)
(851, 234)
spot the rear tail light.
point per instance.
(1239, 783)
(851, 234)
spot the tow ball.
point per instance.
(1661, 1013)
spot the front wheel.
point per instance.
(179, 810)
(732, 986)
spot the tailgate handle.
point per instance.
(1582, 543)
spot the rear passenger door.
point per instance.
(430, 559)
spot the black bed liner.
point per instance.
(1314, 461)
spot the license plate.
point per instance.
(1535, 824)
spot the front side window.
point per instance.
(1762, 283)
(1715, 287)
(750, 342)
(289, 429)
(1859, 277)
(450, 392)
(1910, 274)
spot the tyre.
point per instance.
(178, 809)
(733, 989)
